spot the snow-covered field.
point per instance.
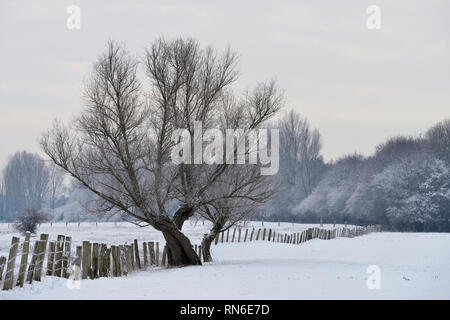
(412, 265)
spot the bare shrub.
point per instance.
(29, 219)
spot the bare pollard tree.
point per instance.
(119, 147)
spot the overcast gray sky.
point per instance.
(357, 86)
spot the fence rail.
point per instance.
(97, 260)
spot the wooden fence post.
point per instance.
(59, 255)
(152, 253)
(239, 235)
(51, 257)
(130, 257)
(77, 261)
(9, 276)
(86, 261)
(101, 260)
(66, 256)
(107, 262)
(32, 265)
(257, 234)
(23, 260)
(234, 232)
(123, 259)
(2, 266)
(245, 237)
(264, 234)
(223, 233)
(40, 258)
(228, 233)
(157, 254)
(95, 260)
(78, 253)
(136, 254)
(251, 234)
(270, 235)
(114, 261)
(144, 249)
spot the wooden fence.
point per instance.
(90, 260)
(265, 234)
(97, 260)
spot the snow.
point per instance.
(413, 266)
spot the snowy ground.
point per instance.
(413, 266)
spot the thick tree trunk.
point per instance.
(179, 249)
(206, 247)
(181, 215)
(209, 238)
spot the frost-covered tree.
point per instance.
(79, 206)
(329, 198)
(438, 138)
(415, 192)
(403, 185)
(25, 183)
(301, 164)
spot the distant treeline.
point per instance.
(404, 186)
